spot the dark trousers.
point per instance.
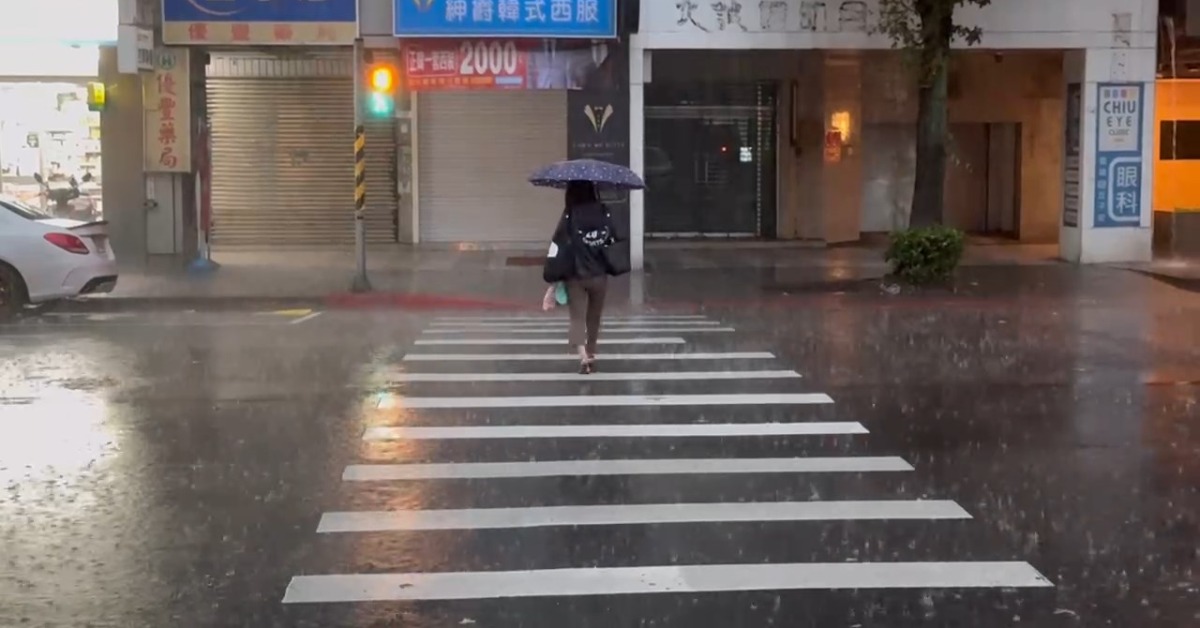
(585, 299)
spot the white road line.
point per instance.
(668, 466)
(560, 322)
(668, 430)
(665, 340)
(689, 579)
(563, 330)
(504, 319)
(400, 376)
(564, 357)
(636, 514)
(387, 400)
(306, 318)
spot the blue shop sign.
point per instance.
(1119, 146)
(260, 11)
(543, 19)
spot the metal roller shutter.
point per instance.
(475, 151)
(283, 158)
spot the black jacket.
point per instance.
(587, 229)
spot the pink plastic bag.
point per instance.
(548, 301)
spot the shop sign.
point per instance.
(1118, 168)
(1073, 159)
(557, 19)
(168, 112)
(255, 22)
(486, 64)
(474, 64)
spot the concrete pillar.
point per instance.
(121, 145)
(1109, 159)
(639, 73)
(842, 171)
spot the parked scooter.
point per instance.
(68, 201)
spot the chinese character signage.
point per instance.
(1071, 161)
(859, 18)
(1118, 192)
(560, 19)
(455, 64)
(166, 96)
(260, 22)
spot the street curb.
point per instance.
(226, 303)
(418, 301)
(337, 301)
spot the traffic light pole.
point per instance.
(360, 283)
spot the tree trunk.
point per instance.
(928, 198)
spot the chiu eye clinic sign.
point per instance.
(1118, 193)
(554, 19)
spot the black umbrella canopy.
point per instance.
(603, 174)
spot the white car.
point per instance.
(43, 258)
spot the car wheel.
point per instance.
(12, 292)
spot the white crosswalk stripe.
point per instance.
(558, 376)
(560, 330)
(625, 408)
(388, 400)
(603, 357)
(628, 514)
(678, 430)
(647, 340)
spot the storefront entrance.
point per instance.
(710, 160)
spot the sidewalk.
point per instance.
(492, 279)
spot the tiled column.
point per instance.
(639, 63)
(1109, 163)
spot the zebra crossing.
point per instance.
(466, 418)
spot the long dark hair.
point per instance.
(580, 193)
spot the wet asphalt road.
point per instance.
(172, 469)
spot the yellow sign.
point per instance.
(167, 99)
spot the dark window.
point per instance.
(1179, 140)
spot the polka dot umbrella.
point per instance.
(606, 176)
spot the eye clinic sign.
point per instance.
(1119, 181)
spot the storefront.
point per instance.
(283, 168)
(279, 94)
(497, 96)
(796, 120)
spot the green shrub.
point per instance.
(926, 255)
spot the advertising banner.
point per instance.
(536, 19)
(598, 120)
(255, 22)
(167, 99)
(483, 64)
(1118, 191)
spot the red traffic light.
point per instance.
(383, 78)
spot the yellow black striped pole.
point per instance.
(360, 169)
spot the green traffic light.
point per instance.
(381, 104)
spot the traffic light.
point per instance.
(381, 97)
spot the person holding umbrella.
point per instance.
(586, 247)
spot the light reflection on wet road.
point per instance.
(172, 469)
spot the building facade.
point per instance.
(793, 119)
(772, 119)
(489, 90)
